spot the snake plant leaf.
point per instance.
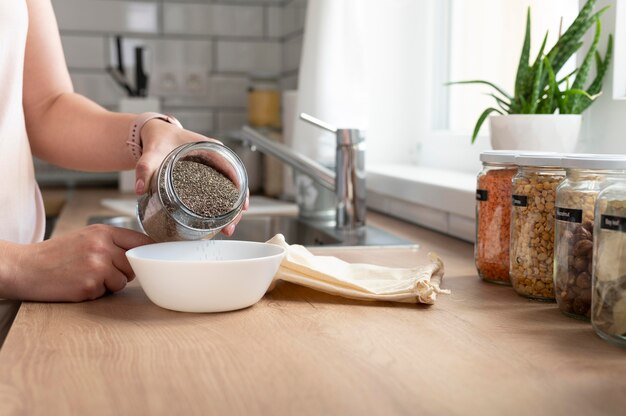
(505, 106)
(596, 85)
(570, 100)
(577, 92)
(569, 47)
(598, 60)
(552, 90)
(602, 68)
(522, 101)
(564, 47)
(566, 77)
(583, 69)
(537, 88)
(527, 84)
(482, 119)
(480, 81)
(523, 66)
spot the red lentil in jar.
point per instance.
(493, 215)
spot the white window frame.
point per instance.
(441, 195)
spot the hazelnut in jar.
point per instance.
(532, 224)
(585, 176)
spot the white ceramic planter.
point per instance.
(537, 132)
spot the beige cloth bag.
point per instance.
(360, 281)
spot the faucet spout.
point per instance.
(348, 182)
(299, 162)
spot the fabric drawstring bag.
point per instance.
(360, 281)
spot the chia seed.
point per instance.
(203, 190)
(193, 200)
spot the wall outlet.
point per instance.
(195, 83)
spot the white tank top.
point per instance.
(22, 217)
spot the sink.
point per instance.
(295, 230)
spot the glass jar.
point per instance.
(161, 211)
(608, 300)
(532, 224)
(493, 215)
(264, 101)
(585, 176)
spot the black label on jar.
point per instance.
(481, 194)
(520, 200)
(569, 214)
(611, 222)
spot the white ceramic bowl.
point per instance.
(205, 276)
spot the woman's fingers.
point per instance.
(115, 281)
(121, 263)
(146, 166)
(127, 239)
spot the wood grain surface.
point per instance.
(482, 350)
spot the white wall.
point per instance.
(604, 128)
(202, 51)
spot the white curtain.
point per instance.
(364, 64)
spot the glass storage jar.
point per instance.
(161, 211)
(532, 224)
(608, 297)
(585, 176)
(493, 215)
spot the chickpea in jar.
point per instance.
(532, 225)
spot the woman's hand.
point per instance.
(159, 138)
(78, 266)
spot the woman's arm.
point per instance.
(71, 131)
(65, 128)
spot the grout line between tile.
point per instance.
(171, 36)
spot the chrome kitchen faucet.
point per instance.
(348, 180)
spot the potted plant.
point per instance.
(544, 111)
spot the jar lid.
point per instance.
(499, 156)
(594, 161)
(547, 159)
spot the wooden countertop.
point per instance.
(482, 350)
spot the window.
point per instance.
(415, 47)
(486, 38)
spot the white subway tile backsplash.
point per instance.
(230, 120)
(99, 87)
(249, 57)
(275, 22)
(181, 54)
(215, 19)
(200, 121)
(194, 59)
(294, 16)
(289, 82)
(107, 16)
(229, 91)
(175, 66)
(292, 49)
(84, 52)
